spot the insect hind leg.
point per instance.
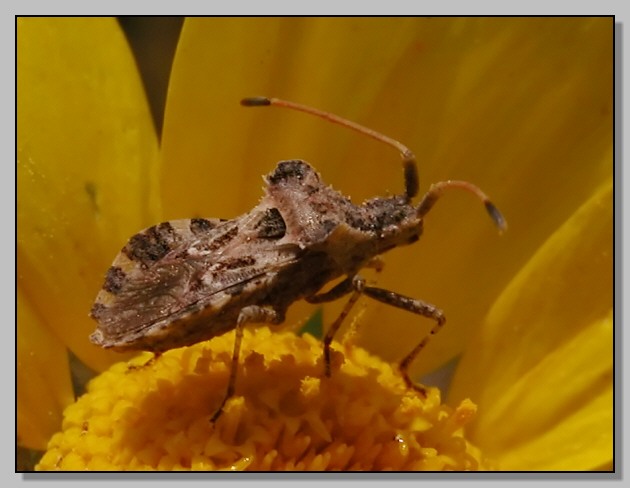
(250, 314)
(415, 306)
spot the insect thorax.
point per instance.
(322, 220)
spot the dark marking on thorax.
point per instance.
(271, 225)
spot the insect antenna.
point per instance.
(410, 168)
(437, 189)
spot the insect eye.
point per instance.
(271, 225)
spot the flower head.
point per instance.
(153, 414)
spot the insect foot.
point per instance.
(181, 282)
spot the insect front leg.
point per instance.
(250, 314)
(337, 291)
(418, 307)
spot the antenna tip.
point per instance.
(496, 216)
(255, 102)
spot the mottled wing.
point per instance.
(173, 269)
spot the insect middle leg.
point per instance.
(251, 314)
(355, 283)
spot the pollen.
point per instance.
(154, 413)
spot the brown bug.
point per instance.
(185, 281)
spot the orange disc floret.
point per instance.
(154, 414)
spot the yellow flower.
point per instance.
(520, 107)
(154, 414)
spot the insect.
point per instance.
(184, 281)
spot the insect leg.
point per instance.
(251, 314)
(357, 283)
(345, 286)
(335, 292)
(418, 307)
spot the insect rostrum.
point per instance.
(185, 281)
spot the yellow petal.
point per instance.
(545, 349)
(520, 107)
(86, 167)
(573, 387)
(43, 379)
(204, 125)
(513, 105)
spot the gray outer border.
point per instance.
(451, 7)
